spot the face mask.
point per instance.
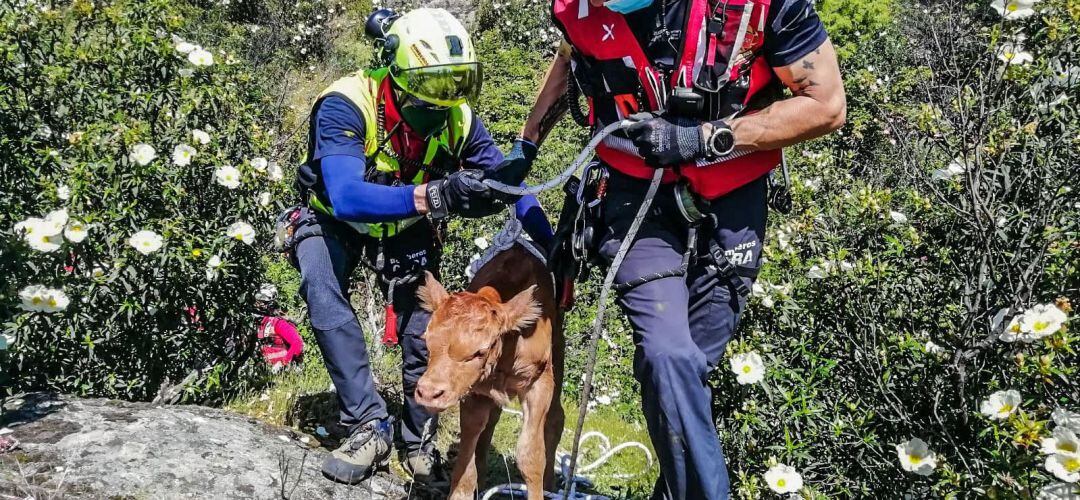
(423, 118)
(627, 6)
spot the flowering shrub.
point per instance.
(131, 169)
(913, 315)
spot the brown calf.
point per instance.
(484, 350)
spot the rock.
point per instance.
(92, 448)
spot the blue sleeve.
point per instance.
(533, 220)
(339, 129)
(339, 149)
(793, 30)
(481, 152)
(357, 200)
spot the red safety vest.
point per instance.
(618, 80)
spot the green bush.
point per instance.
(87, 88)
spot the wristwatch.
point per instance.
(720, 142)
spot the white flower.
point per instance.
(274, 172)
(33, 298)
(185, 48)
(55, 300)
(146, 242)
(1001, 404)
(481, 242)
(932, 348)
(1014, 53)
(142, 154)
(748, 368)
(846, 266)
(58, 218)
(212, 266)
(1064, 467)
(200, 137)
(1014, 9)
(898, 217)
(783, 479)
(955, 168)
(603, 400)
(1062, 441)
(63, 192)
(817, 272)
(259, 164)
(242, 231)
(182, 155)
(264, 199)
(1042, 321)
(186, 72)
(37, 298)
(200, 57)
(42, 235)
(267, 292)
(915, 456)
(227, 176)
(1012, 332)
(1067, 419)
(75, 231)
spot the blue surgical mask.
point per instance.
(627, 6)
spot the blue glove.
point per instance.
(514, 167)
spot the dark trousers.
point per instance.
(682, 324)
(326, 262)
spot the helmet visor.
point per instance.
(444, 85)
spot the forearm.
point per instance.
(533, 220)
(786, 122)
(551, 103)
(817, 108)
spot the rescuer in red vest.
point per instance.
(703, 83)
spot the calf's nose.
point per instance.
(429, 391)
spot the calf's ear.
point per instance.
(431, 293)
(521, 311)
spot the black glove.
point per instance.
(462, 192)
(666, 141)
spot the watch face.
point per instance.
(723, 142)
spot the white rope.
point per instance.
(607, 452)
(558, 180)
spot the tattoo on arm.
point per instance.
(553, 114)
(803, 84)
(807, 64)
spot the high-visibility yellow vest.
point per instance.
(361, 90)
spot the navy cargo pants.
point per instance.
(326, 262)
(682, 324)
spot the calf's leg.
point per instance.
(475, 413)
(531, 448)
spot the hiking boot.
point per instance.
(361, 453)
(423, 465)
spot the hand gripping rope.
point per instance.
(570, 466)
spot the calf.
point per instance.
(483, 350)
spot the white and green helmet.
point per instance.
(434, 58)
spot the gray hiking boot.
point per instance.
(424, 466)
(361, 453)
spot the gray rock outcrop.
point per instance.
(77, 448)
